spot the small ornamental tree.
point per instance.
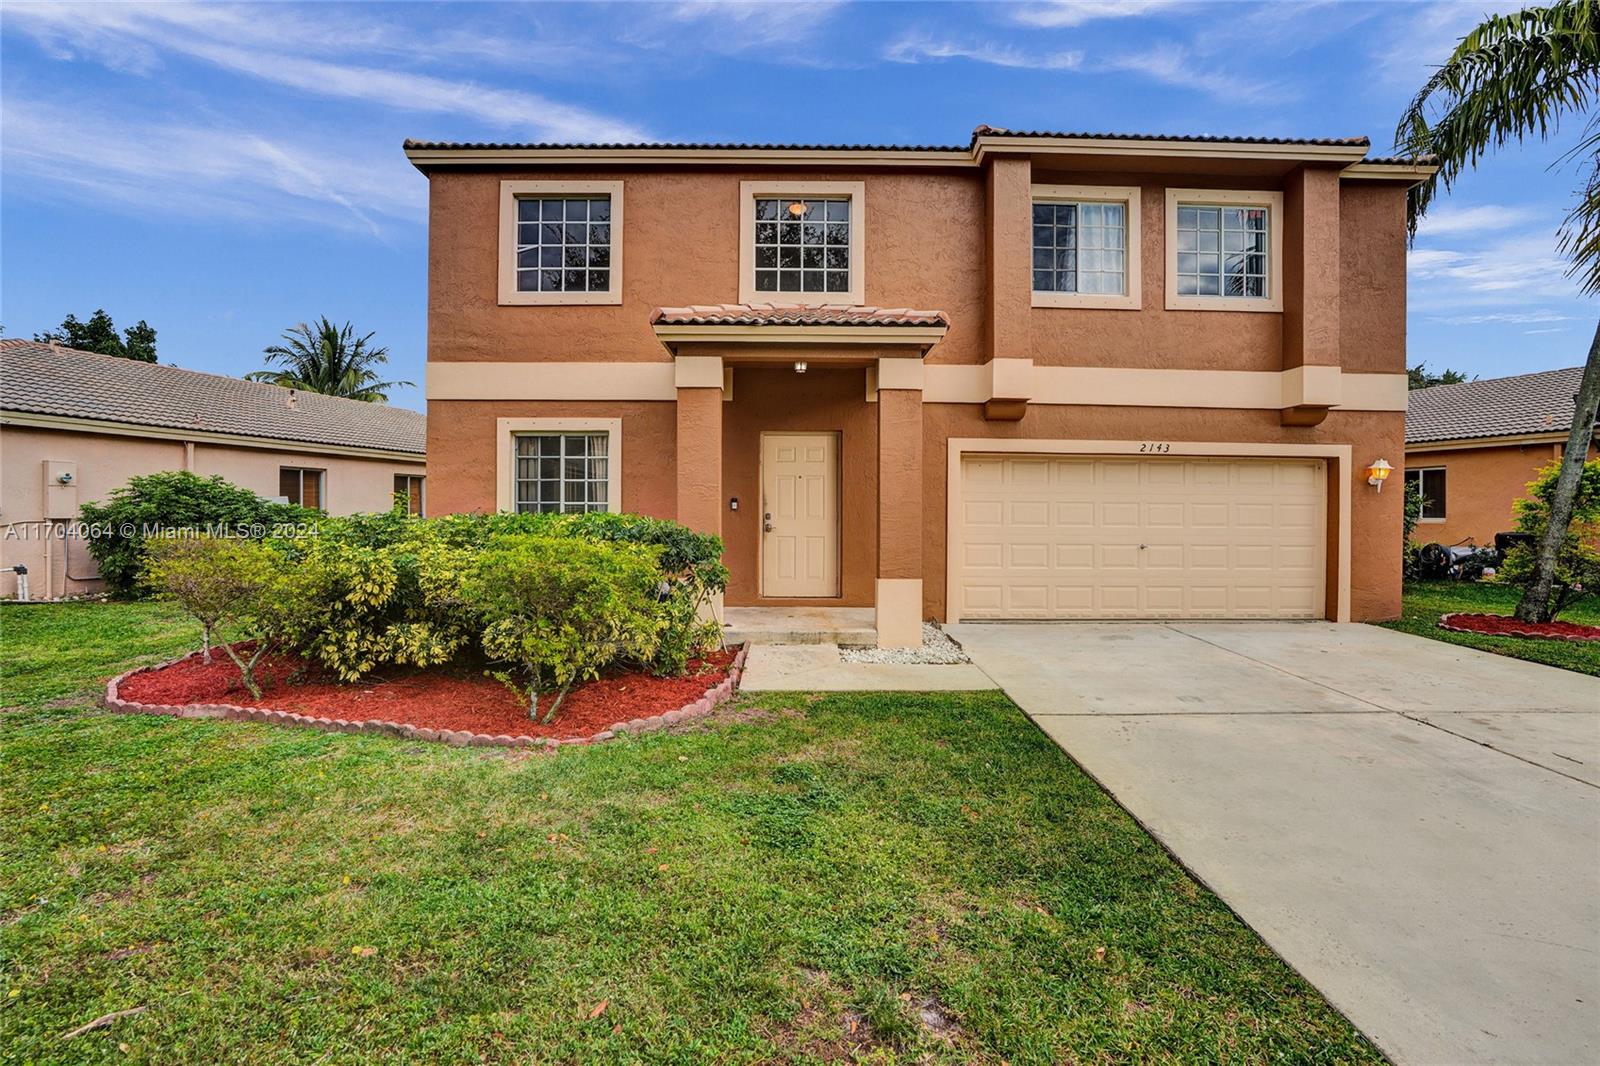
(1577, 557)
(1410, 516)
(226, 581)
(560, 610)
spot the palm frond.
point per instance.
(328, 359)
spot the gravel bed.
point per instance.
(937, 650)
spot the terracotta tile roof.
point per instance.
(981, 131)
(814, 315)
(43, 379)
(1498, 407)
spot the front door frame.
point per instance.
(836, 532)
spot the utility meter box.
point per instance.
(60, 490)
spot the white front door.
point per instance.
(800, 514)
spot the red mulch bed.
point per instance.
(430, 699)
(1496, 625)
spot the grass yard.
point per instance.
(1425, 601)
(881, 878)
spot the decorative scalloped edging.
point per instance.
(1444, 623)
(699, 708)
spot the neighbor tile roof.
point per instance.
(1498, 407)
(45, 379)
(814, 315)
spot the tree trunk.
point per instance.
(205, 645)
(1535, 604)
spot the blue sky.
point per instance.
(224, 171)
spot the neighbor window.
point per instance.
(408, 487)
(301, 486)
(1224, 250)
(560, 242)
(562, 472)
(1085, 246)
(801, 243)
(1431, 482)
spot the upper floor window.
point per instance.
(1085, 246)
(560, 242)
(801, 242)
(1223, 253)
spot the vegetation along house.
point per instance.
(1040, 375)
(1473, 447)
(74, 426)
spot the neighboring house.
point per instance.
(76, 425)
(1473, 448)
(1039, 375)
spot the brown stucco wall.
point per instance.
(105, 462)
(1481, 487)
(1372, 278)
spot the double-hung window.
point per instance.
(1224, 250)
(1085, 246)
(560, 242)
(562, 472)
(1430, 481)
(801, 242)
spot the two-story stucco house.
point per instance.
(1037, 376)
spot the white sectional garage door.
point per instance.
(1070, 536)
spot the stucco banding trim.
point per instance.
(964, 383)
(715, 695)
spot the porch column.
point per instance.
(699, 458)
(899, 591)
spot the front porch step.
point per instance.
(799, 625)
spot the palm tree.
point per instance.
(328, 359)
(1514, 78)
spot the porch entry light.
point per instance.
(1378, 473)
(800, 366)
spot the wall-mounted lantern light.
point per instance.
(800, 366)
(1378, 473)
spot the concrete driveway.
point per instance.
(1413, 826)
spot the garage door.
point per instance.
(1102, 537)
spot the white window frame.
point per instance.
(1444, 503)
(751, 191)
(508, 429)
(322, 485)
(1126, 195)
(510, 193)
(422, 492)
(1272, 203)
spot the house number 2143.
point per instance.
(1155, 446)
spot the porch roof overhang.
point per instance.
(767, 331)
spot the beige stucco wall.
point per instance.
(1481, 487)
(104, 462)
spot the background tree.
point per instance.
(99, 334)
(1577, 555)
(1512, 79)
(328, 359)
(1419, 377)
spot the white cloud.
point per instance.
(1175, 65)
(1535, 332)
(1485, 218)
(917, 48)
(1513, 271)
(264, 43)
(1064, 13)
(1505, 317)
(157, 165)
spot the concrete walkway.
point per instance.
(1413, 826)
(818, 668)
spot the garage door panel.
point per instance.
(1087, 537)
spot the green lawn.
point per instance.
(1425, 601)
(881, 878)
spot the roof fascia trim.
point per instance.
(40, 420)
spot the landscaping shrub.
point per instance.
(151, 504)
(559, 610)
(378, 590)
(1410, 561)
(227, 581)
(1578, 558)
